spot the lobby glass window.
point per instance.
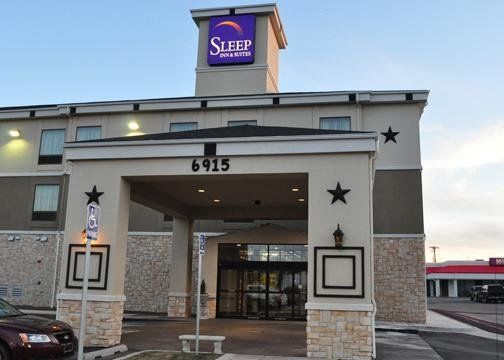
(51, 146)
(242, 122)
(88, 133)
(176, 127)
(335, 123)
(45, 203)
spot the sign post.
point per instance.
(93, 213)
(201, 252)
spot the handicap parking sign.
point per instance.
(93, 215)
(202, 244)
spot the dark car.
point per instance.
(491, 293)
(26, 337)
(475, 290)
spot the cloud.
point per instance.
(473, 149)
(464, 194)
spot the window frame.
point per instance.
(50, 159)
(184, 123)
(45, 215)
(87, 126)
(336, 117)
(241, 121)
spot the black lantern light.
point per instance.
(338, 237)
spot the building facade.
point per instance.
(268, 176)
(456, 278)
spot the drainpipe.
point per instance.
(371, 235)
(56, 263)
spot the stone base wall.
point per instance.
(400, 290)
(147, 281)
(28, 263)
(103, 320)
(179, 306)
(342, 335)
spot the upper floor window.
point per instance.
(88, 133)
(45, 203)
(186, 126)
(242, 122)
(51, 146)
(335, 123)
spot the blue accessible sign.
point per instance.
(202, 244)
(93, 215)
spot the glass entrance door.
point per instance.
(262, 293)
(262, 281)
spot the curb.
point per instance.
(105, 352)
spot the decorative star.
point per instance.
(390, 135)
(338, 193)
(93, 196)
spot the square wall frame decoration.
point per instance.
(98, 270)
(339, 272)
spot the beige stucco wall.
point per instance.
(21, 155)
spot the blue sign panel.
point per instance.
(231, 40)
(93, 216)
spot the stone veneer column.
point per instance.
(335, 334)
(179, 296)
(400, 289)
(103, 321)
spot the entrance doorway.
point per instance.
(258, 281)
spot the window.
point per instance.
(176, 127)
(88, 133)
(335, 123)
(51, 146)
(242, 122)
(45, 204)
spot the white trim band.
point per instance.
(402, 236)
(398, 167)
(91, 297)
(33, 174)
(340, 307)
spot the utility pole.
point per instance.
(434, 248)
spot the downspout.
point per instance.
(56, 265)
(371, 235)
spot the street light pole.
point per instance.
(82, 328)
(434, 248)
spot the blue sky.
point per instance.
(69, 51)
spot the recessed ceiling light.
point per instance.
(201, 190)
(295, 189)
(14, 133)
(216, 200)
(133, 125)
(301, 200)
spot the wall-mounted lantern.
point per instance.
(338, 237)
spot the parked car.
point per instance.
(475, 290)
(24, 337)
(491, 293)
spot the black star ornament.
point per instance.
(93, 196)
(390, 135)
(338, 193)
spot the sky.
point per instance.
(88, 50)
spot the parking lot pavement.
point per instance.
(488, 317)
(464, 347)
(400, 346)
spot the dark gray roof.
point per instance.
(230, 132)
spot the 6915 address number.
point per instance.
(214, 165)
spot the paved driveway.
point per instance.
(285, 338)
(489, 317)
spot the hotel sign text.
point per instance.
(231, 40)
(496, 261)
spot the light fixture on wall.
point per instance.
(301, 199)
(14, 133)
(295, 189)
(216, 200)
(201, 190)
(338, 237)
(133, 125)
